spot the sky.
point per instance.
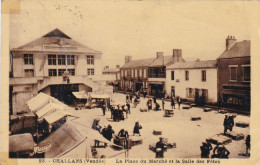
(137, 28)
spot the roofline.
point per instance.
(234, 57)
(58, 52)
(193, 68)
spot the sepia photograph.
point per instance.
(129, 80)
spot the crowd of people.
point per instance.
(117, 114)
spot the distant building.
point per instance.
(112, 75)
(234, 76)
(195, 81)
(147, 74)
(54, 64)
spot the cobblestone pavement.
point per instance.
(188, 135)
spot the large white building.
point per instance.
(54, 64)
(195, 81)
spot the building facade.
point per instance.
(234, 77)
(112, 75)
(54, 64)
(147, 75)
(195, 81)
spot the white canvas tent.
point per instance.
(81, 95)
(72, 141)
(40, 100)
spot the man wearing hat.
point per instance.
(159, 148)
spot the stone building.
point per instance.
(54, 64)
(234, 77)
(147, 74)
(194, 80)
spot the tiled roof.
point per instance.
(193, 65)
(53, 38)
(239, 49)
(151, 62)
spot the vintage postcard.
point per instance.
(129, 82)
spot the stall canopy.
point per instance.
(99, 96)
(72, 140)
(21, 143)
(40, 100)
(56, 116)
(49, 108)
(81, 95)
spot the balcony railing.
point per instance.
(160, 75)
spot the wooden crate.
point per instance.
(143, 110)
(207, 109)
(195, 118)
(186, 107)
(157, 132)
(242, 124)
(218, 138)
(235, 135)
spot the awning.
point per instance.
(81, 95)
(40, 100)
(56, 116)
(51, 107)
(21, 143)
(99, 96)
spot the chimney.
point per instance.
(117, 66)
(159, 54)
(128, 59)
(177, 54)
(230, 41)
(107, 67)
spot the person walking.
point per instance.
(179, 102)
(172, 102)
(128, 107)
(226, 122)
(154, 99)
(230, 122)
(127, 97)
(135, 102)
(131, 97)
(163, 104)
(137, 128)
(104, 109)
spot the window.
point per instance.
(189, 92)
(144, 73)
(70, 60)
(52, 72)
(233, 73)
(28, 59)
(172, 75)
(203, 75)
(28, 73)
(246, 73)
(90, 71)
(72, 71)
(61, 60)
(140, 73)
(61, 71)
(51, 59)
(187, 75)
(90, 60)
